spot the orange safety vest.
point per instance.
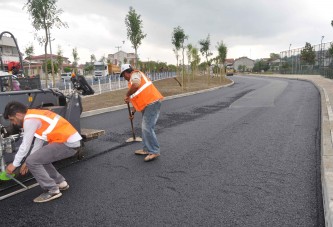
(146, 94)
(54, 129)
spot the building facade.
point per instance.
(33, 65)
(121, 57)
(8, 51)
(244, 64)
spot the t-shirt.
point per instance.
(136, 78)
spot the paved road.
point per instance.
(246, 155)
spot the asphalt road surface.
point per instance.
(245, 155)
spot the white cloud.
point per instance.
(253, 28)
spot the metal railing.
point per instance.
(291, 63)
(110, 83)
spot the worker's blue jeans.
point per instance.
(149, 118)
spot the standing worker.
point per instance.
(147, 99)
(62, 140)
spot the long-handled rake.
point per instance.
(133, 138)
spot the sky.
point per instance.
(253, 28)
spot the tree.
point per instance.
(76, 59)
(67, 69)
(196, 59)
(222, 55)
(102, 59)
(189, 48)
(178, 40)
(45, 15)
(59, 60)
(330, 52)
(89, 67)
(29, 51)
(134, 30)
(175, 40)
(48, 66)
(308, 55)
(175, 51)
(260, 65)
(205, 52)
(241, 68)
(92, 58)
(274, 56)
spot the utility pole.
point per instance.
(118, 47)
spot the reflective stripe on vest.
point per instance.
(53, 122)
(54, 128)
(147, 83)
(146, 93)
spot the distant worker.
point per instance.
(145, 98)
(45, 126)
(15, 83)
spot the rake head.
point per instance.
(4, 176)
(132, 139)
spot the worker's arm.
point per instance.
(135, 81)
(133, 89)
(30, 126)
(38, 143)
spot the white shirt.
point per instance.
(136, 78)
(30, 126)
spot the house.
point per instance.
(229, 61)
(275, 65)
(121, 57)
(33, 65)
(8, 51)
(244, 64)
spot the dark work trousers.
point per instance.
(40, 165)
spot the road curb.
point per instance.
(124, 106)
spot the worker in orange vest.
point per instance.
(145, 98)
(42, 126)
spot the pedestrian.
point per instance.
(42, 126)
(145, 98)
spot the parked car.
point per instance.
(66, 76)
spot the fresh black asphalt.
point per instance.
(245, 155)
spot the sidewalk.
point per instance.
(325, 86)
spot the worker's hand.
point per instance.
(10, 168)
(24, 169)
(133, 111)
(127, 99)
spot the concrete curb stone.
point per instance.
(119, 107)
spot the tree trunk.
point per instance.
(183, 72)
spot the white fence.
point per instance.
(108, 84)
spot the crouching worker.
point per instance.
(61, 137)
(145, 98)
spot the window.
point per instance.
(14, 50)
